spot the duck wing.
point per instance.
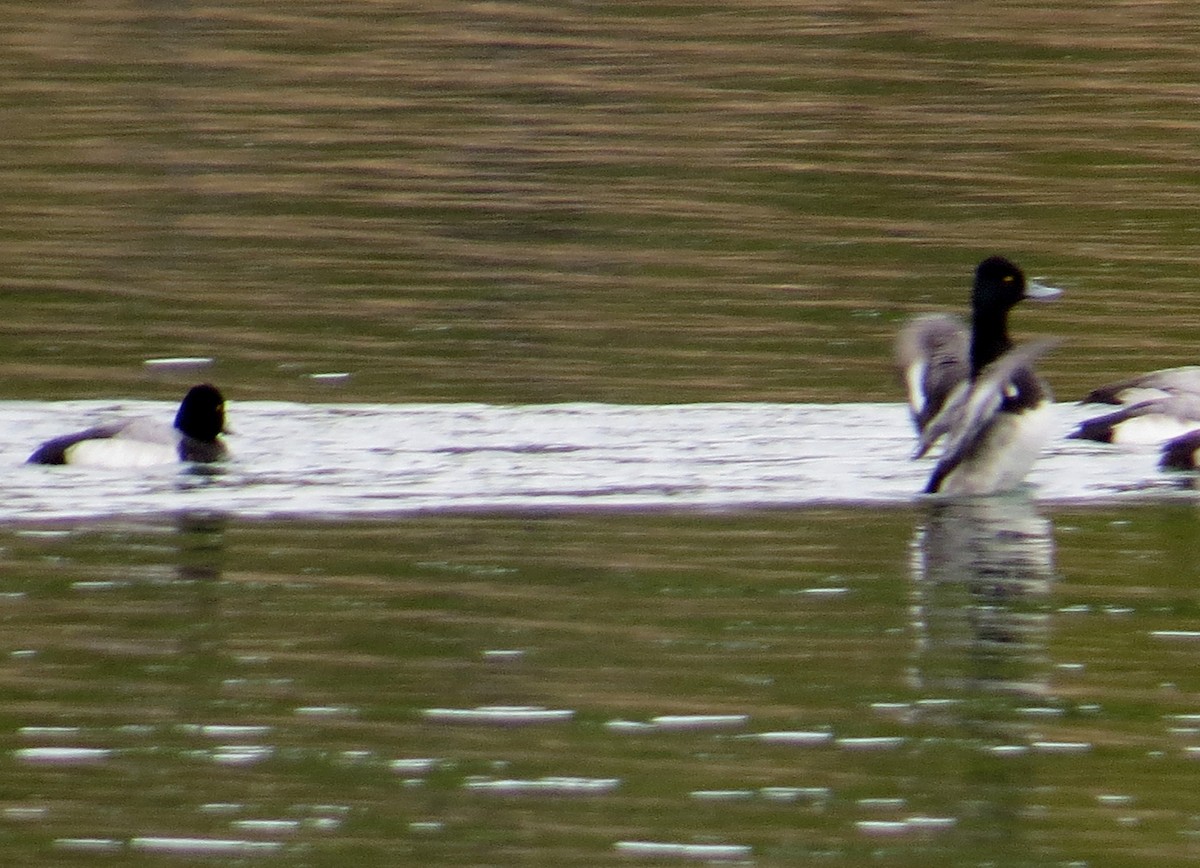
(974, 406)
(932, 358)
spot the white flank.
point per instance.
(1152, 428)
(1138, 394)
(116, 452)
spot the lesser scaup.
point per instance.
(1181, 453)
(1156, 407)
(1157, 384)
(142, 442)
(996, 418)
(1152, 421)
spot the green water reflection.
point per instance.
(1031, 700)
(531, 202)
(534, 202)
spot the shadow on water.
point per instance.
(983, 575)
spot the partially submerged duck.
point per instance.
(1181, 453)
(141, 442)
(1166, 383)
(1156, 420)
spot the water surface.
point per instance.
(525, 312)
(339, 460)
(951, 684)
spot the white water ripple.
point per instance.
(342, 460)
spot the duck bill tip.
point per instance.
(1039, 291)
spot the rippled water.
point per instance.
(340, 460)
(523, 311)
(956, 683)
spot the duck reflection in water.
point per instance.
(200, 555)
(983, 577)
(983, 570)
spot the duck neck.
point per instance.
(989, 339)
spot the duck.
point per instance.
(993, 409)
(1181, 453)
(143, 442)
(1164, 383)
(1154, 408)
(1151, 421)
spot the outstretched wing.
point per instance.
(974, 408)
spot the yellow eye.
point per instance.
(1008, 278)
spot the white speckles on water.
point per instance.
(64, 756)
(911, 825)
(203, 846)
(353, 459)
(25, 813)
(1008, 750)
(797, 738)
(679, 723)
(546, 786)
(814, 795)
(503, 656)
(178, 365)
(266, 827)
(89, 845)
(224, 731)
(699, 721)
(874, 743)
(502, 715)
(418, 766)
(722, 795)
(691, 852)
(881, 804)
(326, 711)
(1067, 747)
(426, 827)
(49, 732)
(241, 755)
